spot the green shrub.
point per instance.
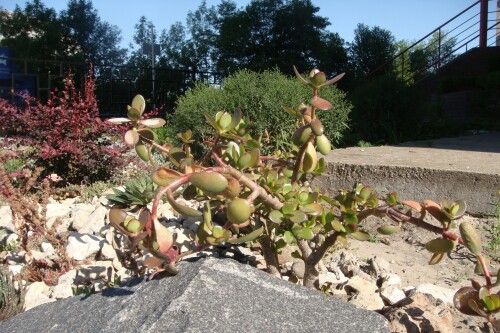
(260, 96)
(387, 110)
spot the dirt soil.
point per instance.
(409, 259)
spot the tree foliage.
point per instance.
(370, 48)
(90, 38)
(267, 34)
(33, 31)
(77, 33)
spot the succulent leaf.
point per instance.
(116, 215)
(238, 211)
(388, 229)
(164, 176)
(118, 121)
(440, 245)
(360, 235)
(304, 233)
(248, 237)
(436, 258)
(323, 144)
(301, 135)
(310, 158)
(276, 216)
(142, 151)
(461, 300)
(133, 114)
(471, 238)
(320, 103)
(209, 181)
(139, 103)
(153, 122)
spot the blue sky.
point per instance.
(406, 19)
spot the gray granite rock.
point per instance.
(208, 295)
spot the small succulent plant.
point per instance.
(267, 199)
(136, 192)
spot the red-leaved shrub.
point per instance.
(67, 135)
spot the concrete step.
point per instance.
(466, 167)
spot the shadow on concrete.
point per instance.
(488, 142)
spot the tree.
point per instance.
(332, 56)
(145, 33)
(423, 58)
(370, 48)
(90, 39)
(271, 33)
(33, 32)
(193, 46)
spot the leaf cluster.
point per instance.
(260, 97)
(248, 196)
(66, 134)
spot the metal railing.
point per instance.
(115, 86)
(474, 26)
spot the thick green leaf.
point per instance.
(139, 103)
(313, 209)
(181, 209)
(440, 245)
(297, 216)
(360, 235)
(209, 181)
(131, 137)
(388, 229)
(247, 238)
(276, 216)
(304, 233)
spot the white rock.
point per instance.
(123, 273)
(165, 210)
(332, 278)
(80, 213)
(391, 294)
(442, 294)
(298, 269)
(6, 218)
(47, 248)
(38, 255)
(64, 288)
(364, 293)
(37, 293)
(108, 252)
(104, 201)
(11, 238)
(379, 267)
(68, 202)
(95, 222)
(185, 238)
(81, 246)
(98, 270)
(16, 268)
(391, 279)
(55, 211)
(117, 264)
(98, 286)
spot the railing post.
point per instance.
(439, 49)
(483, 23)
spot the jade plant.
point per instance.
(269, 199)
